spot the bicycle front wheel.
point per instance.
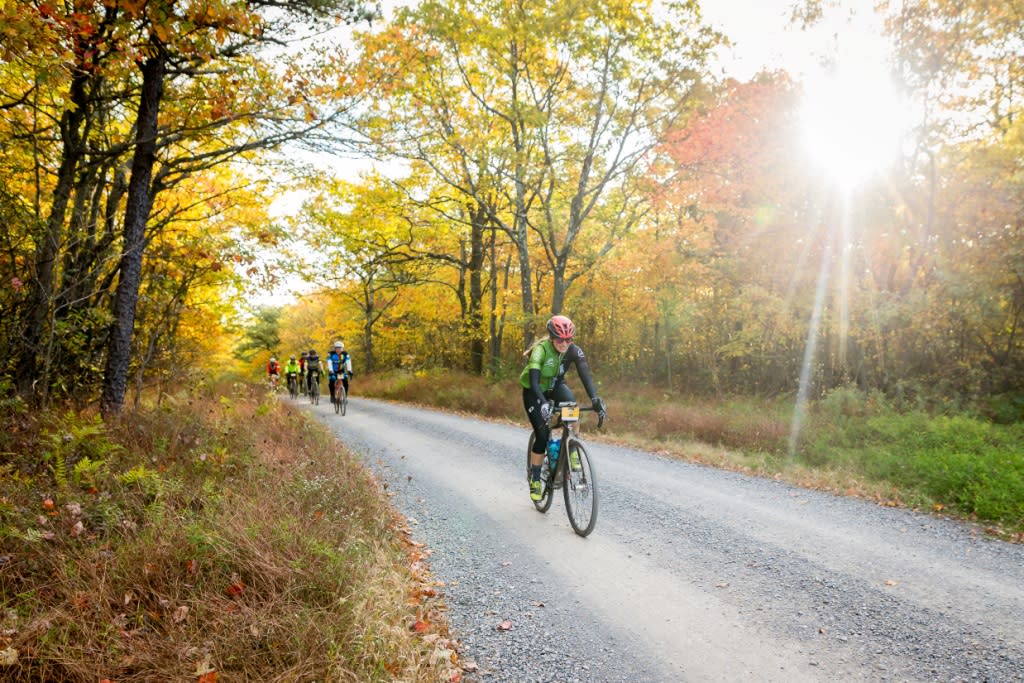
(336, 401)
(344, 401)
(316, 392)
(580, 488)
(544, 503)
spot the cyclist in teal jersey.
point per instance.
(543, 382)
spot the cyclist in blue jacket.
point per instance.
(339, 364)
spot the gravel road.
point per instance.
(692, 574)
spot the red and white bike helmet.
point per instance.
(560, 327)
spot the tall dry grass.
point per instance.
(635, 412)
(209, 539)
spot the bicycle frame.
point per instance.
(340, 398)
(578, 483)
(314, 388)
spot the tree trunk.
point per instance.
(139, 203)
(496, 321)
(40, 301)
(476, 294)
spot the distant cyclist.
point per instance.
(312, 369)
(339, 364)
(273, 372)
(291, 372)
(543, 383)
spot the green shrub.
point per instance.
(974, 466)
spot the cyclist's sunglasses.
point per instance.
(566, 340)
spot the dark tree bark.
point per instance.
(496, 322)
(139, 203)
(40, 302)
(478, 222)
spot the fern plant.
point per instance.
(149, 481)
(73, 439)
(87, 472)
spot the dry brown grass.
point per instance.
(635, 412)
(445, 389)
(227, 538)
(743, 435)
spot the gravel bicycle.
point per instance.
(314, 389)
(571, 469)
(340, 404)
(293, 386)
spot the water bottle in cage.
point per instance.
(553, 446)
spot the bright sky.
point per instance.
(763, 37)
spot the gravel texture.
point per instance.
(691, 573)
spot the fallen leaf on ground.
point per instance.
(441, 654)
(203, 668)
(504, 626)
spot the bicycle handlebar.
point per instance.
(600, 416)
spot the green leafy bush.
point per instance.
(973, 465)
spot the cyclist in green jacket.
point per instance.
(291, 372)
(543, 383)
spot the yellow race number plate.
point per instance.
(570, 413)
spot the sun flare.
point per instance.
(853, 122)
(854, 119)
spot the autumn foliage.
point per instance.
(573, 158)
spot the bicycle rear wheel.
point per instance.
(580, 488)
(544, 503)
